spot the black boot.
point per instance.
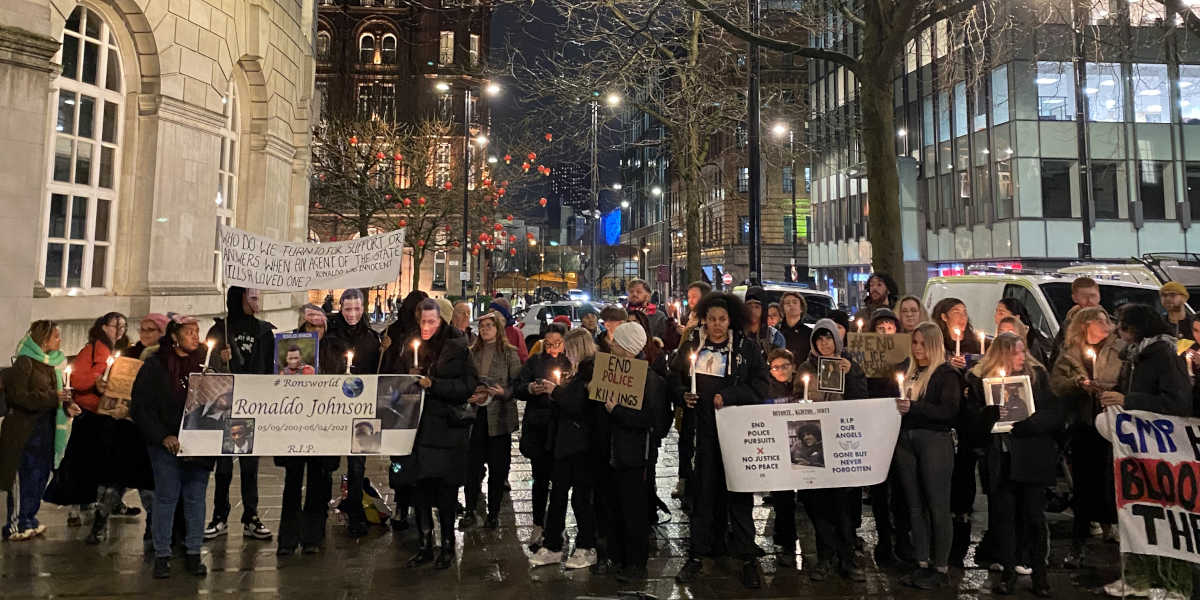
(424, 551)
(195, 566)
(1041, 584)
(162, 567)
(960, 542)
(1007, 583)
(97, 535)
(445, 557)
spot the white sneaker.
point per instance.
(545, 557)
(1120, 589)
(582, 558)
(1164, 594)
(535, 538)
(1094, 529)
(1023, 570)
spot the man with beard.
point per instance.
(639, 300)
(247, 346)
(349, 326)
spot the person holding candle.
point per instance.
(893, 543)
(731, 370)
(245, 344)
(533, 388)
(36, 393)
(498, 366)
(924, 458)
(392, 361)
(105, 454)
(1019, 465)
(304, 507)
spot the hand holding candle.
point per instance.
(349, 361)
(1090, 354)
(860, 324)
(67, 378)
(557, 376)
(208, 355)
(900, 383)
(108, 363)
(982, 343)
(957, 342)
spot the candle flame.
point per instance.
(1091, 353)
(693, 357)
(1003, 373)
(117, 355)
(805, 378)
(957, 331)
(349, 356)
(109, 361)
(210, 344)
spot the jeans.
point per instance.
(573, 473)
(492, 454)
(33, 473)
(249, 483)
(924, 462)
(304, 525)
(176, 479)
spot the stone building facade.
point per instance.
(132, 128)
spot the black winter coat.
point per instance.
(747, 383)
(1029, 454)
(154, 408)
(1155, 378)
(632, 433)
(441, 445)
(575, 417)
(937, 408)
(535, 423)
(362, 340)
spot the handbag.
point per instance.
(462, 415)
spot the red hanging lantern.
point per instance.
(542, 202)
(448, 185)
(532, 156)
(483, 220)
(455, 243)
(499, 227)
(495, 204)
(354, 140)
(421, 243)
(399, 157)
(447, 229)
(549, 137)
(501, 191)
(475, 251)
(408, 202)
(379, 155)
(333, 239)
(487, 182)
(387, 196)
(509, 218)
(512, 252)
(525, 167)
(421, 200)
(504, 183)
(402, 222)
(529, 236)
(507, 159)
(512, 238)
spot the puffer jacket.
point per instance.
(1155, 378)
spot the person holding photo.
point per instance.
(730, 370)
(1019, 465)
(498, 366)
(924, 458)
(783, 389)
(533, 387)
(833, 510)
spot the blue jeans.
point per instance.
(33, 473)
(175, 479)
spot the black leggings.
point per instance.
(571, 474)
(543, 471)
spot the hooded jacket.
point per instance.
(855, 382)
(746, 380)
(362, 340)
(1155, 378)
(253, 346)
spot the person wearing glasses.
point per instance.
(532, 388)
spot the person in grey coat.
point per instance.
(498, 365)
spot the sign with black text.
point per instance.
(620, 379)
(878, 353)
(258, 262)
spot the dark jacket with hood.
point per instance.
(1027, 455)
(253, 347)
(1155, 378)
(361, 339)
(633, 435)
(575, 416)
(855, 387)
(746, 380)
(160, 393)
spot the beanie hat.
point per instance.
(1174, 287)
(158, 319)
(883, 314)
(564, 319)
(630, 337)
(445, 309)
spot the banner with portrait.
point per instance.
(1156, 473)
(807, 445)
(300, 415)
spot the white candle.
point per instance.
(108, 363)
(557, 376)
(982, 342)
(900, 382)
(208, 356)
(805, 380)
(694, 372)
(860, 324)
(416, 346)
(1003, 373)
(1091, 356)
(957, 341)
(67, 378)
(349, 361)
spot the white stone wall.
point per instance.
(180, 59)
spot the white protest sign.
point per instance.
(254, 261)
(300, 415)
(1156, 468)
(620, 379)
(807, 445)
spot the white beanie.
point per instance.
(630, 337)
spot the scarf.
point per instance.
(62, 423)
(647, 308)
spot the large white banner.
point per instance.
(300, 415)
(1156, 472)
(807, 445)
(254, 261)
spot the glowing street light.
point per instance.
(613, 99)
(616, 186)
(492, 89)
(624, 204)
(442, 86)
(780, 129)
(482, 140)
(657, 191)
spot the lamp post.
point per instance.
(779, 129)
(755, 167)
(491, 89)
(612, 99)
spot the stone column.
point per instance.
(26, 71)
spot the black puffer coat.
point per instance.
(441, 445)
(1155, 378)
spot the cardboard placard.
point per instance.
(622, 379)
(120, 378)
(877, 353)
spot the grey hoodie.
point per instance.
(833, 329)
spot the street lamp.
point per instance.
(492, 160)
(624, 204)
(491, 89)
(616, 187)
(779, 129)
(613, 99)
(657, 191)
(482, 140)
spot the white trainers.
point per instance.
(1164, 594)
(1120, 589)
(535, 538)
(1023, 570)
(1094, 529)
(582, 558)
(544, 557)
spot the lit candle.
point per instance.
(982, 343)
(416, 347)
(349, 361)
(108, 363)
(557, 376)
(208, 355)
(805, 380)
(860, 324)
(1003, 373)
(693, 372)
(67, 378)
(1091, 367)
(957, 341)
(900, 382)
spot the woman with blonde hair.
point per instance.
(1019, 465)
(924, 457)
(1089, 364)
(498, 365)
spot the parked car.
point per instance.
(1151, 269)
(1047, 296)
(577, 294)
(820, 304)
(533, 321)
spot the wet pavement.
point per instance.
(491, 564)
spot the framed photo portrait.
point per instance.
(1014, 396)
(830, 377)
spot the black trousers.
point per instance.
(572, 474)
(248, 466)
(543, 472)
(717, 511)
(892, 522)
(305, 525)
(1093, 498)
(355, 472)
(687, 443)
(442, 495)
(1017, 519)
(784, 503)
(628, 515)
(490, 454)
(962, 481)
(832, 514)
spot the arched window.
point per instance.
(388, 49)
(366, 48)
(227, 173)
(323, 41)
(85, 141)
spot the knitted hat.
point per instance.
(159, 320)
(630, 337)
(445, 309)
(1174, 287)
(883, 314)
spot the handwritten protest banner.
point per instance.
(622, 379)
(877, 353)
(120, 377)
(807, 445)
(310, 415)
(1156, 473)
(254, 261)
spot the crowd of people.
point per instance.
(598, 460)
